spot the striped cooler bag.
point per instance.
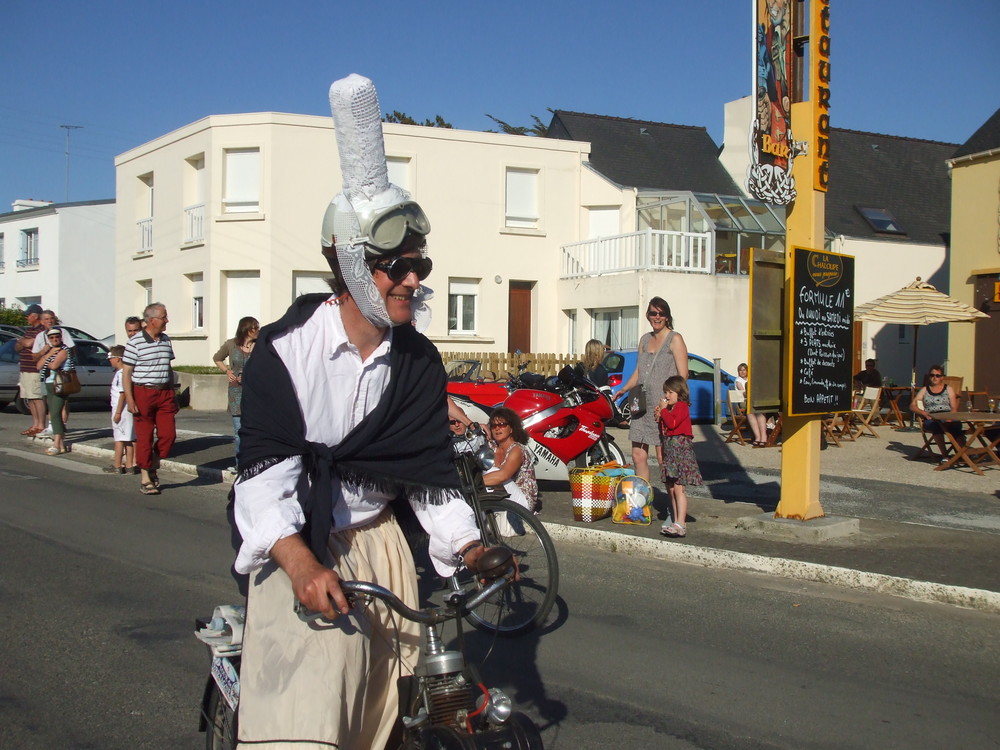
(593, 490)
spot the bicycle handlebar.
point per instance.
(459, 603)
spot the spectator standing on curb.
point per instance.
(148, 382)
(41, 345)
(238, 350)
(55, 358)
(31, 385)
(122, 423)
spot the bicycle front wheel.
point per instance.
(220, 734)
(527, 602)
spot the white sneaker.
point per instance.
(47, 432)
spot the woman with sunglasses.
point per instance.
(55, 358)
(934, 398)
(514, 466)
(662, 354)
(238, 350)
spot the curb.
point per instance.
(181, 468)
(907, 588)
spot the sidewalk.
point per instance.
(924, 534)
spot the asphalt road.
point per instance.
(102, 584)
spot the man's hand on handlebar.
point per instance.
(315, 586)
(485, 561)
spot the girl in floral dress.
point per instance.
(679, 466)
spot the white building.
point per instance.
(61, 256)
(221, 219)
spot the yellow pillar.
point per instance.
(804, 227)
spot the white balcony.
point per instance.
(650, 250)
(145, 235)
(194, 223)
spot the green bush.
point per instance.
(12, 316)
(198, 370)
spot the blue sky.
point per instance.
(131, 71)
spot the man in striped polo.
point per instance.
(31, 384)
(148, 383)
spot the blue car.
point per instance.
(701, 375)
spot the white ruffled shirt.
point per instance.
(335, 390)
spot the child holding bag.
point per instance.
(679, 466)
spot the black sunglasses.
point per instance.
(453, 421)
(400, 267)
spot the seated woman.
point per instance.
(514, 466)
(592, 367)
(935, 398)
(756, 420)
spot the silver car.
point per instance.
(92, 367)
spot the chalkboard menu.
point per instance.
(821, 314)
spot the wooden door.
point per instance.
(519, 316)
(987, 363)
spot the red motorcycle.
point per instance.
(564, 416)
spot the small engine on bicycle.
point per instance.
(450, 707)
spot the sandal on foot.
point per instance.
(674, 529)
(53, 452)
(148, 488)
(153, 478)
(113, 470)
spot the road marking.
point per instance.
(51, 460)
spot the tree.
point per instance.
(539, 129)
(404, 119)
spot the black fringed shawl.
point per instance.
(402, 445)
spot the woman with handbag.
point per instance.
(238, 349)
(662, 354)
(57, 370)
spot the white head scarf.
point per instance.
(358, 124)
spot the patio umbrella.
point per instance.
(917, 304)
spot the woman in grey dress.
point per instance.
(662, 353)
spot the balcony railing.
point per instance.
(145, 235)
(194, 223)
(27, 262)
(651, 250)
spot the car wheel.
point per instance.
(22, 406)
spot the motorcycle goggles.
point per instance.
(385, 228)
(401, 266)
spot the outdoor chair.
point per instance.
(867, 410)
(773, 433)
(737, 412)
(956, 382)
(837, 427)
(979, 399)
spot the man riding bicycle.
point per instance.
(344, 417)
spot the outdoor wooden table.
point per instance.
(893, 393)
(978, 448)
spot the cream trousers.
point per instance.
(323, 684)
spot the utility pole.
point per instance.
(68, 128)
